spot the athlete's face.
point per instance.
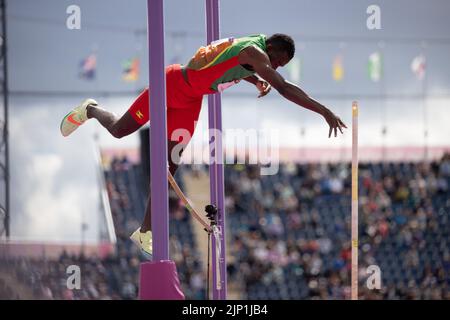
(277, 58)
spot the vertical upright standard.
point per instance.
(216, 166)
(158, 129)
(354, 275)
(4, 132)
(159, 278)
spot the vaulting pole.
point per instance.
(354, 268)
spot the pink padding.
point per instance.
(159, 281)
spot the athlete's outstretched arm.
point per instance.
(259, 60)
(252, 79)
(262, 85)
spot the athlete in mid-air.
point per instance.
(212, 69)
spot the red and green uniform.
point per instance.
(212, 69)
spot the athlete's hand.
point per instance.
(263, 87)
(334, 122)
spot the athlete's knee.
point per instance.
(117, 132)
(125, 126)
(172, 167)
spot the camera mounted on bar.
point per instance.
(211, 214)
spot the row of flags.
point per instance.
(130, 68)
(374, 67)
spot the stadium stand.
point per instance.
(288, 233)
(291, 231)
(116, 276)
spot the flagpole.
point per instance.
(383, 103)
(339, 75)
(138, 56)
(424, 104)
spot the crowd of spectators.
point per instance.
(289, 235)
(117, 275)
(290, 232)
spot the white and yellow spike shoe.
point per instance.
(76, 117)
(144, 241)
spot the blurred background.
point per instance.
(76, 200)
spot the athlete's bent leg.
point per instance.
(133, 119)
(118, 127)
(147, 223)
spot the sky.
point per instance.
(54, 179)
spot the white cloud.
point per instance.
(53, 179)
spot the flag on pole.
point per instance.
(375, 66)
(338, 68)
(88, 67)
(295, 69)
(418, 66)
(130, 71)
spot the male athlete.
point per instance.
(212, 69)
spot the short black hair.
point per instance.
(282, 42)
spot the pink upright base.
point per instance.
(159, 281)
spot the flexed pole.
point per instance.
(186, 202)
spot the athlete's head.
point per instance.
(280, 49)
